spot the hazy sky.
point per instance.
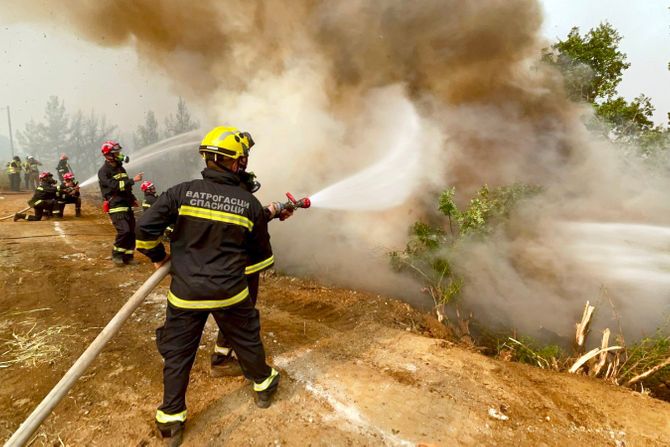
(38, 61)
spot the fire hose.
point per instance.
(12, 215)
(22, 435)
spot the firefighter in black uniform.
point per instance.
(150, 197)
(68, 192)
(223, 362)
(117, 191)
(219, 230)
(63, 166)
(44, 199)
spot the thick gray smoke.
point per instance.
(326, 87)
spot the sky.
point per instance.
(37, 61)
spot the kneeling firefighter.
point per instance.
(68, 192)
(219, 229)
(43, 200)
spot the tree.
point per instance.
(32, 139)
(47, 140)
(181, 122)
(147, 133)
(87, 132)
(592, 65)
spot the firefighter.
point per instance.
(150, 197)
(14, 173)
(68, 192)
(223, 362)
(31, 172)
(117, 191)
(220, 229)
(63, 166)
(44, 199)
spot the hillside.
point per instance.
(359, 369)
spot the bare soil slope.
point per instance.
(358, 369)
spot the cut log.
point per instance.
(649, 372)
(603, 355)
(583, 326)
(588, 356)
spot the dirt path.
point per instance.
(358, 369)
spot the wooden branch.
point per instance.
(588, 356)
(582, 327)
(649, 372)
(603, 355)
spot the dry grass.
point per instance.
(31, 347)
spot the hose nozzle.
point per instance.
(293, 203)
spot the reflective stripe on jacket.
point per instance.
(219, 232)
(116, 186)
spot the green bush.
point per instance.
(428, 255)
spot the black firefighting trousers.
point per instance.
(44, 208)
(124, 244)
(223, 346)
(15, 182)
(69, 199)
(179, 338)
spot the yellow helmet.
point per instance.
(226, 141)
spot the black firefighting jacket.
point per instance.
(149, 199)
(220, 234)
(45, 191)
(67, 192)
(116, 187)
(63, 167)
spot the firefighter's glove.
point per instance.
(275, 209)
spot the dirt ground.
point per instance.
(358, 369)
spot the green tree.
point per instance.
(592, 65)
(147, 133)
(181, 122)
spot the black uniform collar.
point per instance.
(224, 177)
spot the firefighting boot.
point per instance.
(19, 216)
(77, 212)
(117, 260)
(129, 260)
(173, 432)
(265, 391)
(224, 365)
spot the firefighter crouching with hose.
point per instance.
(43, 200)
(219, 230)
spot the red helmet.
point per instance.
(110, 147)
(146, 185)
(45, 174)
(68, 176)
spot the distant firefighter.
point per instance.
(117, 191)
(31, 172)
(44, 199)
(14, 173)
(150, 197)
(63, 166)
(68, 192)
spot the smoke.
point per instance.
(321, 86)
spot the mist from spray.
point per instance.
(165, 148)
(321, 85)
(387, 183)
